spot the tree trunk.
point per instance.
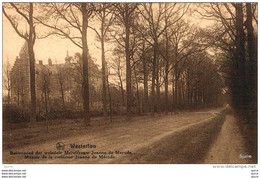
(62, 92)
(166, 75)
(176, 88)
(166, 88)
(137, 92)
(158, 92)
(251, 47)
(46, 101)
(153, 104)
(146, 100)
(122, 88)
(8, 96)
(188, 89)
(240, 56)
(128, 65)
(104, 91)
(85, 81)
(167, 63)
(32, 65)
(181, 91)
(175, 74)
(173, 91)
(110, 102)
(183, 95)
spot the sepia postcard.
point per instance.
(129, 83)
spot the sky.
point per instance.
(52, 47)
(56, 48)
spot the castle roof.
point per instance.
(24, 51)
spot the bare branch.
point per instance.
(62, 33)
(19, 12)
(15, 26)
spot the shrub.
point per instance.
(13, 113)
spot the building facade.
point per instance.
(55, 83)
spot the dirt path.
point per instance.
(228, 145)
(132, 136)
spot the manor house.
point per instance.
(53, 81)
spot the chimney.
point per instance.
(40, 62)
(50, 61)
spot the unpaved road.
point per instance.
(229, 146)
(179, 138)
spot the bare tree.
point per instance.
(7, 79)
(252, 53)
(26, 12)
(125, 13)
(63, 74)
(117, 65)
(76, 21)
(154, 15)
(43, 82)
(236, 43)
(109, 97)
(105, 15)
(145, 55)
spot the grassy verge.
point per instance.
(188, 146)
(249, 132)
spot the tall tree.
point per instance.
(153, 15)
(236, 45)
(145, 60)
(252, 53)
(26, 12)
(63, 74)
(144, 56)
(43, 83)
(125, 13)
(75, 22)
(7, 79)
(117, 65)
(185, 42)
(105, 15)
